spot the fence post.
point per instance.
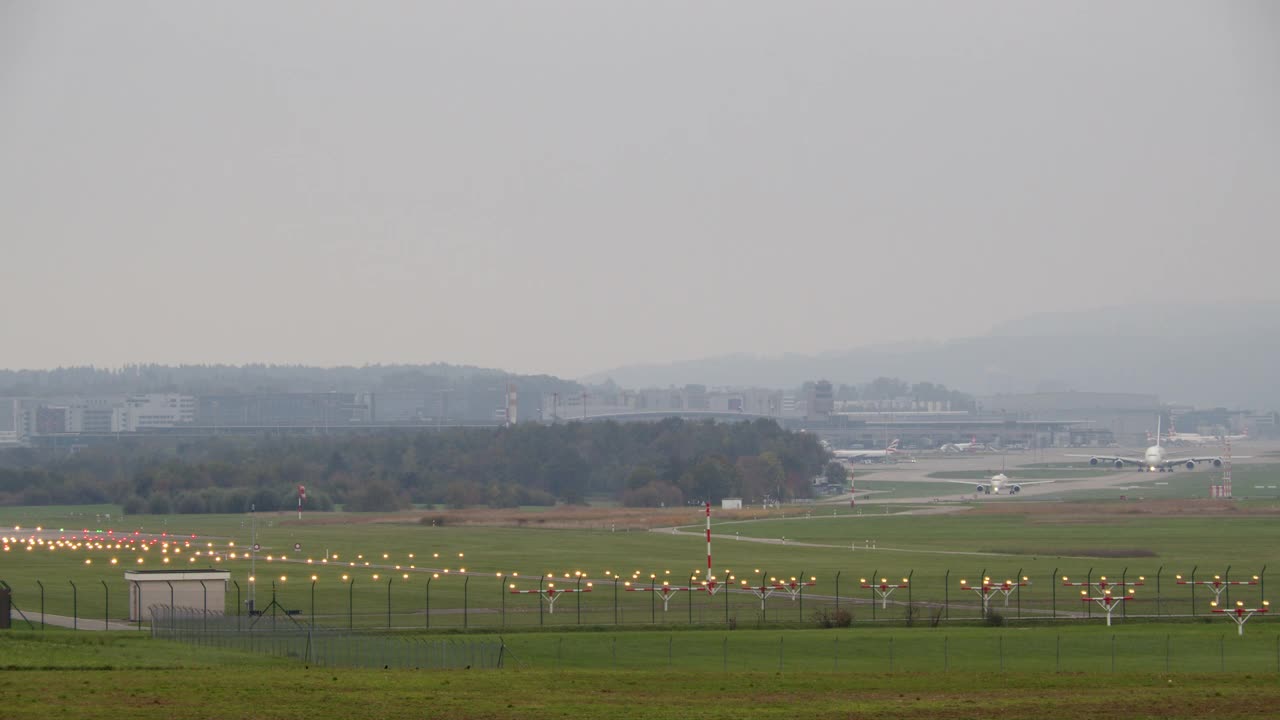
(874, 574)
(1158, 610)
(1227, 577)
(502, 589)
(106, 607)
(540, 579)
(837, 591)
(1124, 606)
(1053, 585)
(465, 581)
(389, 581)
(204, 625)
(910, 606)
(42, 606)
(946, 594)
(75, 612)
(351, 596)
(171, 612)
(1019, 579)
(1088, 607)
(1193, 589)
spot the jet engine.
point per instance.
(981, 489)
(1118, 464)
(1217, 462)
(1093, 461)
(1015, 489)
(1191, 464)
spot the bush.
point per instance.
(134, 505)
(833, 618)
(994, 619)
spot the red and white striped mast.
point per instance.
(708, 540)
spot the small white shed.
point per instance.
(196, 589)
(731, 504)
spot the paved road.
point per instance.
(68, 622)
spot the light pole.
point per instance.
(351, 597)
(1241, 614)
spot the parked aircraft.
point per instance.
(1155, 459)
(970, 446)
(855, 455)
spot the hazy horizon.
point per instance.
(568, 187)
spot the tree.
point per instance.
(836, 473)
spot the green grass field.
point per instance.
(774, 661)
(830, 674)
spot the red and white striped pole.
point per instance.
(708, 540)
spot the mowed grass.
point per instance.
(935, 551)
(828, 674)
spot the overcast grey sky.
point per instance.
(564, 187)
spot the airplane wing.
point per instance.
(1207, 458)
(1095, 459)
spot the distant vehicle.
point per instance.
(972, 446)
(1154, 459)
(855, 455)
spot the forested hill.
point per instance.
(668, 462)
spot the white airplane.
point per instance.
(973, 444)
(1000, 480)
(1155, 459)
(1244, 435)
(1173, 437)
(855, 455)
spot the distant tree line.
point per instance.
(639, 464)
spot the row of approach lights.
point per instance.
(713, 585)
(1238, 614)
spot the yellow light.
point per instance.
(384, 556)
(113, 561)
(512, 586)
(166, 560)
(1213, 603)
(283, 578)
(1239, 603)
(375, 576)
(88, 561)
(462, 570)
(435, 575)
(410, 556)
(1142, 578)
(139, 561)
(864, 579)
(1179, 577)
(460, 555)
(314, 578)
(344, 577)
(252, 579)
(590, 584)
(1266, 603)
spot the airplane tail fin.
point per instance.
(893, 446)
